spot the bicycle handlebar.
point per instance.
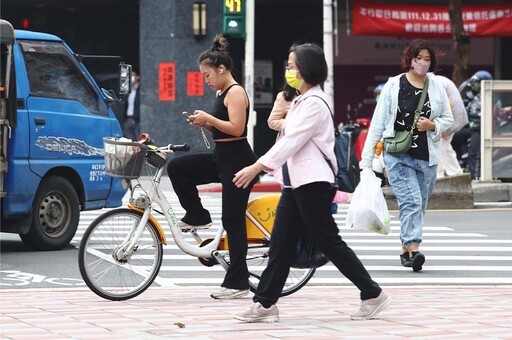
(179, 147)
(171, 148)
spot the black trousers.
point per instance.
(188, 171)
(474, 154)
(308, 208)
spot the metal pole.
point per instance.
(486, 117)
(249, 68)
(328, 51)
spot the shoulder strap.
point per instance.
(332, 115)
(336, 133)
(417, 113)
(229, 88)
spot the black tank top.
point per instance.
(220, 111)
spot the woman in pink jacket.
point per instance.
(297, 159)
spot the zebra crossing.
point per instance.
(453, 257)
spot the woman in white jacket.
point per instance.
(297, 159)
(411, 175)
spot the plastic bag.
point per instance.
(368, 209)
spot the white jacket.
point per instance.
(384, 117)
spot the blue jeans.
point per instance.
(412, 181)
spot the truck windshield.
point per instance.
(52, 72)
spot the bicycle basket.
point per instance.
(123, 159)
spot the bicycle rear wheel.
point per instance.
(297, 277)
(104, 271)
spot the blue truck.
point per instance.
(53, 117)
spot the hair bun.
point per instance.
(216, 46)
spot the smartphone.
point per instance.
(186, 114)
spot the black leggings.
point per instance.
(188, 171)
(308, 209)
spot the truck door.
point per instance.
(67, 117)
(7, 95)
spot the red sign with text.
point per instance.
(167, 81)
(195, 83)
(491, 20)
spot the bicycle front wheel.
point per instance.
(110, 272)
(297, 277)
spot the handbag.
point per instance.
(308, 255)
(402, 140)
(347, 177)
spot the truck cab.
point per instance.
(53, 117)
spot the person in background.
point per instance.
(449, 164)
(297, 160)
(411, 175)
(131, 125)
(281, 106)
(228, 124)
(376, 91)
(474, 115)
(378, 161)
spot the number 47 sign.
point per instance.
(234, 18)
(233, 6)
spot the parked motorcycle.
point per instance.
(357, 129)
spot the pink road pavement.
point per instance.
(421, 312)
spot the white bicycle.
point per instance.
(121, 251)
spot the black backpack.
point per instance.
(348, 174)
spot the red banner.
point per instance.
(167, 81)
(491, 20)
(195, 83)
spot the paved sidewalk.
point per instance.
(432, 312)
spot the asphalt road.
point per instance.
(461, 246)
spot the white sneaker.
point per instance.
(186, 227)
(371, 307)
(228, 293)
(258, 313)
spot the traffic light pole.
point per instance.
(328, 51)
(249, 68)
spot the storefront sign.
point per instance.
(195, 84)
(429, 21)
(167, 82)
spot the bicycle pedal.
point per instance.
(194, 228)
(188, 228)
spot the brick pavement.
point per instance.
(420, 312)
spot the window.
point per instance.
(53, 73)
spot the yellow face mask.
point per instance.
(292, 80)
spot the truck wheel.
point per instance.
(55, 215)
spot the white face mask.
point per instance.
(420, 68)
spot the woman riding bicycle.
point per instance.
(228, 124)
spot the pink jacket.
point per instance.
(307, 136)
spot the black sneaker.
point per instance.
(188, 227)
(406, 259)
(417, 261)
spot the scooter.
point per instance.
(357, 129)
(461, 138)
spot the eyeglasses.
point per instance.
(288, 68)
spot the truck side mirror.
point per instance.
(125, 81)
